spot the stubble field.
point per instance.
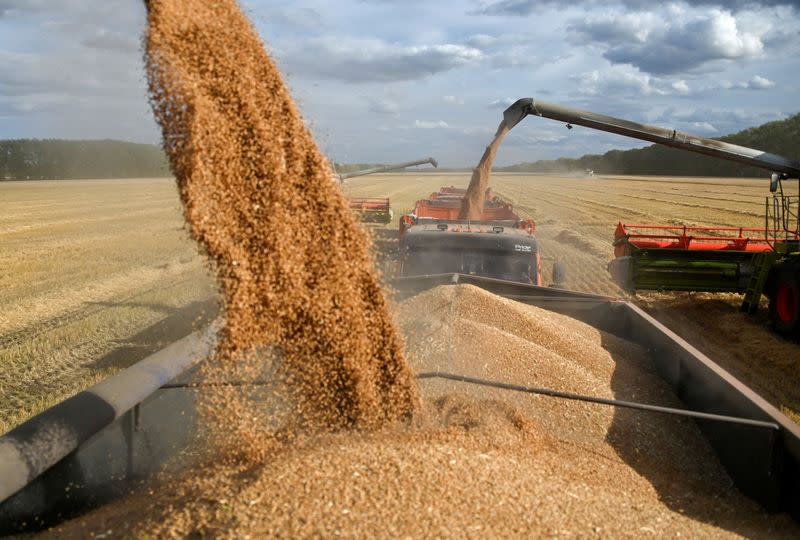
(95, 275)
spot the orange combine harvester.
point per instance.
(501, 245)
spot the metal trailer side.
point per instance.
(100, 442)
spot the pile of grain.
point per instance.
(479, 462)
(472, 205)
(294, 267)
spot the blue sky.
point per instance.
(386, 80)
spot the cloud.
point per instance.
(719, 120)
(628, 82)
(453, 100)
(759, 83)
(383, 106)
(502, 103)
(111, 41)
(362, 60)
(80, 73)
(705, 127)
(297, 17)
(625, 81)
(516, 8)
(508, 50)
(481, 41)
(424, 124)
(680, 87)
(537, 137)
(666, 45)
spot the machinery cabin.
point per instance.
(501, 245)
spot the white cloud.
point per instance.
(383, 106)
(513, 8)
(625, 81)
(759, 83)
(680, 86)
(481, 41)
(425, 124)
(502, 103)
(660, 44)
(453, 100)
(705, 127)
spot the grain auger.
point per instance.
(378, 209)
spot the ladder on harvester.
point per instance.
(762, 263)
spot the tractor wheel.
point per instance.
(784, 303)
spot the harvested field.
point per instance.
(575, 220)
(92, 268)
(476, 463)
(97, 274)
(75, 341)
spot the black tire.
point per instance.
(784, 301)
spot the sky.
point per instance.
(394, 80)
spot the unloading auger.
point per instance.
(378, 209)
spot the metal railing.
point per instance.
(782, 218)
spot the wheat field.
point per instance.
(97, 274)
(94, 276)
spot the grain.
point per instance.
(303, 305)
(293, 266)
(472, 204)
(477, 462)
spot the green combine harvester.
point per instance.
(751, 261)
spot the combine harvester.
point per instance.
(378, 209)
(501, 245)
(752, 261)
(99, 444)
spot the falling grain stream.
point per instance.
(345, 444)
(472, 205)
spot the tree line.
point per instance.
(54, 159)
(780, 137)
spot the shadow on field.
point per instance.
(179, 322)
(670, 452)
